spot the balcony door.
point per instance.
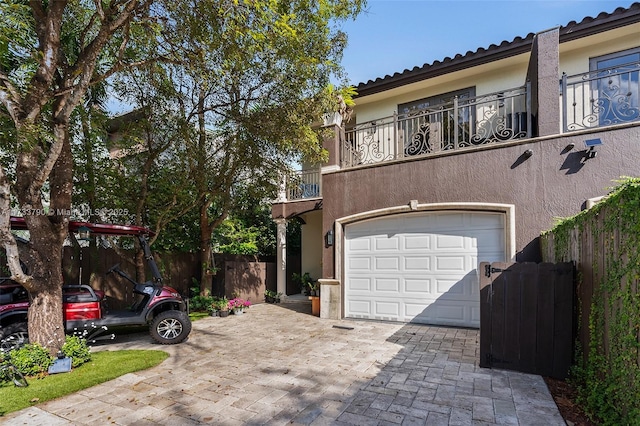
(429, 124)
(616, 89)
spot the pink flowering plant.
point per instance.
(238, 303)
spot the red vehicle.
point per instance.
(158, 306)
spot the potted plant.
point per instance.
(271, 296)
(238, 305)
(338, 104)
(314, 288)
(304, 281)
(223, 306)
(213, 309)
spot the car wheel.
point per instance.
(13, 336)
(170, 327)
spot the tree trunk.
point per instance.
(47, 232)
(205, 250)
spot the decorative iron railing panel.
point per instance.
(601, 98)
(305, 184)
(459, 124)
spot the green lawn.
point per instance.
(194, 316)
(104, 366)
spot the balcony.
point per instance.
(305, 184)
(456, 125)
(601, 98)
(588, 101)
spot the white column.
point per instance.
(281, 257)
(282, 191)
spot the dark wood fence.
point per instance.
(179, 270)
(599, 250)
(526, 317)
(90, 266)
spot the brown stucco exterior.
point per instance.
(554, 182)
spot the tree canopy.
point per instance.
(234, 88)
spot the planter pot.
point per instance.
(330, 119)
(214, 313)
(223, 313)
(238, 311)
(315, 305)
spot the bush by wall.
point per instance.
(604, 241)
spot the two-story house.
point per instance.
(465, 160)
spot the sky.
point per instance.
(394, 35)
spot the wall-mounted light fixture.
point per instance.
(84, 233)
(528, 153)
(328, 238)
(591, 145)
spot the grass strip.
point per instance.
(104, 366)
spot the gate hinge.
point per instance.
(488, 270)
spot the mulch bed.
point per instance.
(565, 397)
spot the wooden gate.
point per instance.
(247, 280)
(526, 317)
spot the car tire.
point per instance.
(170, 327)
(13, 336)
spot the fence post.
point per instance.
(456, 113)
(528, 107)
(563, 94)
(399, 144)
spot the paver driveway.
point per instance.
(276, 364)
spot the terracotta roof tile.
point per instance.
(571, 31)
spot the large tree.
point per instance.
(251, 85)
(246, 72)
(51, 52)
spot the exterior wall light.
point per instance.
(591, 145)
(84, 233)
(328, 238)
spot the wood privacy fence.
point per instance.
(179, 270)
(526, 317)
(604, 245)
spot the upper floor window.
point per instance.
(433, 124)
(616, 88)
(445, 98)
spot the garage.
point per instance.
(420, 267)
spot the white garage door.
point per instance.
(420, 267)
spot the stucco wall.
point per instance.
(553, 182)
(485, 80)
(574, 55)
(311, 247)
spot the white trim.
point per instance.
(329, 169)
(593, 201)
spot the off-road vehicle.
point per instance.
(158, 306)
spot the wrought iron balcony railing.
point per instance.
(460, 124)
(305, 184)
(601, 98)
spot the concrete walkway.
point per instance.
(277, 364)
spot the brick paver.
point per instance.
(279, 365)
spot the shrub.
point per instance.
(200, 303)
(31, 359)
(76, 348)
